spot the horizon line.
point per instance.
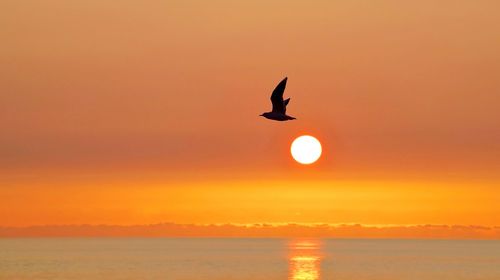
(258, 230)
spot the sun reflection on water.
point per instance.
(304, 260)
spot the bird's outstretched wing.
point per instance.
(277, 97)
(284, 105)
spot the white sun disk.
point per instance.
(306, 149)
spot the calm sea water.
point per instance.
(239, 259)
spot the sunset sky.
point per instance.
(140, 112)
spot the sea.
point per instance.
(248, 259)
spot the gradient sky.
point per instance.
(134, 112)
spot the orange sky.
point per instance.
(134, 113)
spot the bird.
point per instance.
(279, 105)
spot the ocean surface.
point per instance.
(239, 259)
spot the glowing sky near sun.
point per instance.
(133, 113)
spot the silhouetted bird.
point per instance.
(279, 105)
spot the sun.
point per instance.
(306, 149)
